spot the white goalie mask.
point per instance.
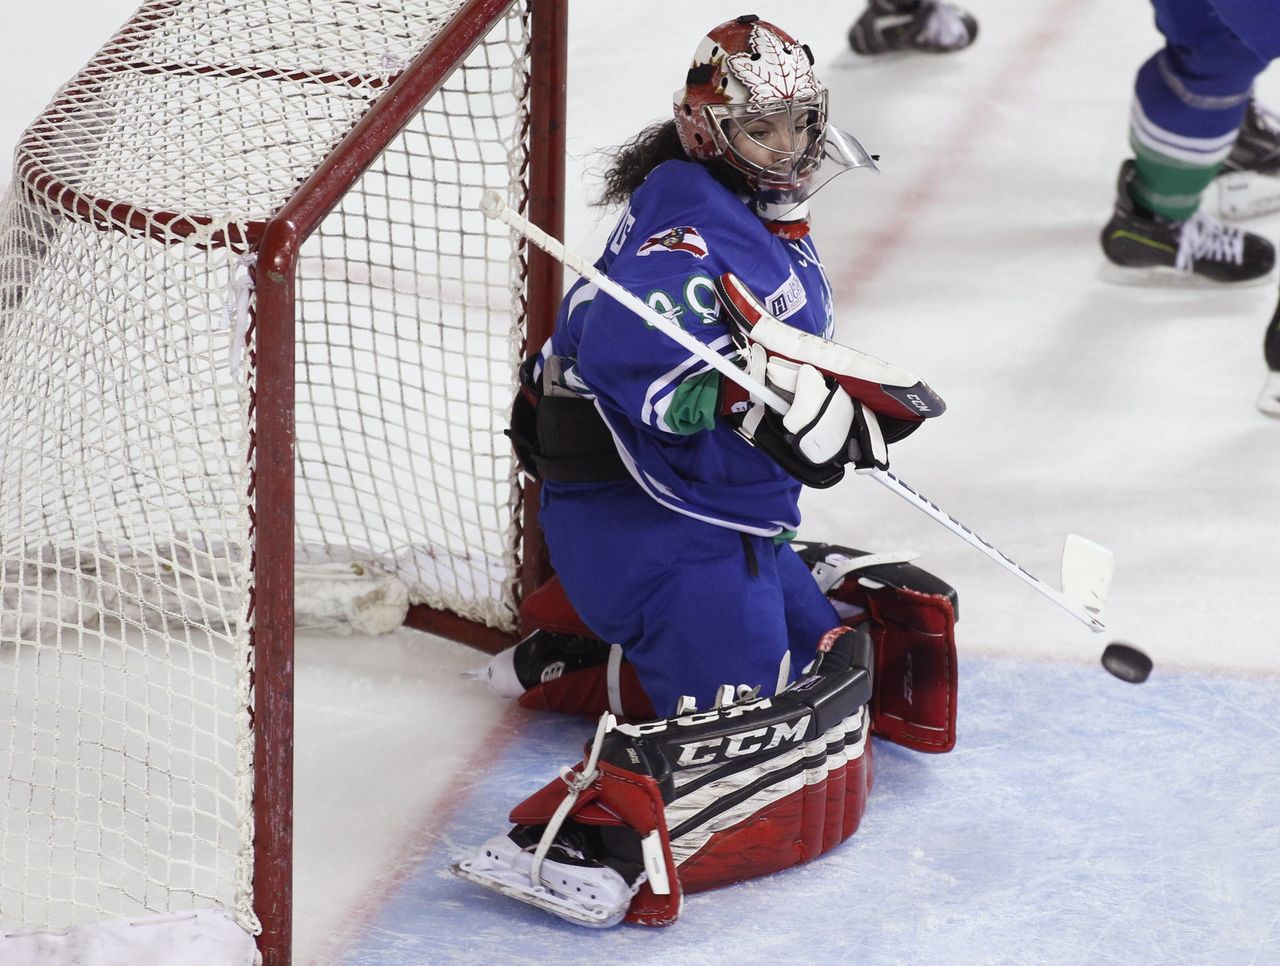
(751, 99)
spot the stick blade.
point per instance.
(1086, 573)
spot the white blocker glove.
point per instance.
(824, 429)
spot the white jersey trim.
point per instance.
(1200, 152)
(663, 495)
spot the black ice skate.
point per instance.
(1269, 398)
(928, 26)
(1145, 248)
(541, 657)
(1249, 183)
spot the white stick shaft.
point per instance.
(922, 502)
(494, 207)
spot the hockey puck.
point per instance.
(1126, 662)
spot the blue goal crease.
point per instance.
(1078, 820)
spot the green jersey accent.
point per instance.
(694, 404)
(1167, 186)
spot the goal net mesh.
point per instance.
(128, 391)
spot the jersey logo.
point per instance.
(675, 240)
(787, 299)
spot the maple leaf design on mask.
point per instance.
(773, 70)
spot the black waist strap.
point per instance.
(563, 439)
(574, 444)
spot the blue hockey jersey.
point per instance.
(681, 230)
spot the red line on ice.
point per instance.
(884, 242)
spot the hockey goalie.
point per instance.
(738, 675)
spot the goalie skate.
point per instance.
(569, 886)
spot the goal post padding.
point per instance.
(253, 334)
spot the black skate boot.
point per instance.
(928, 26)
(1269, 398)
(1249, 183)
(1145, 248)
(541, 657)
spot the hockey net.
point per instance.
(245, 225)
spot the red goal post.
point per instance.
(253, 335)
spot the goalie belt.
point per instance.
(887, 390)
(744, 790)
(559, 435)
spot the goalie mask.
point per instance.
(751, 99)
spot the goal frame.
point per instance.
(271, 239)
(272, 633)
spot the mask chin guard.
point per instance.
(789, 205)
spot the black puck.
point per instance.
(1126, 662)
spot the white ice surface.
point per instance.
(1124, 414)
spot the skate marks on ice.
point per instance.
(1078, 820)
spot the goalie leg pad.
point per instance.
(915, 705)
(913, 627)
(913, 616)
(607, 687)
(591, 847)
(620, 797)
(749, 788)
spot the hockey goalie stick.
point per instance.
(1086, 566)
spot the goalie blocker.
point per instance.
(694, 802)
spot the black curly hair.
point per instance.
(631, 163)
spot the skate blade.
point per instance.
(518, 887)
(1269, 398)
(1158, 276)
(1244, 195)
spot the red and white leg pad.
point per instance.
(716, 797)
(610, 685)
(912, 620)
